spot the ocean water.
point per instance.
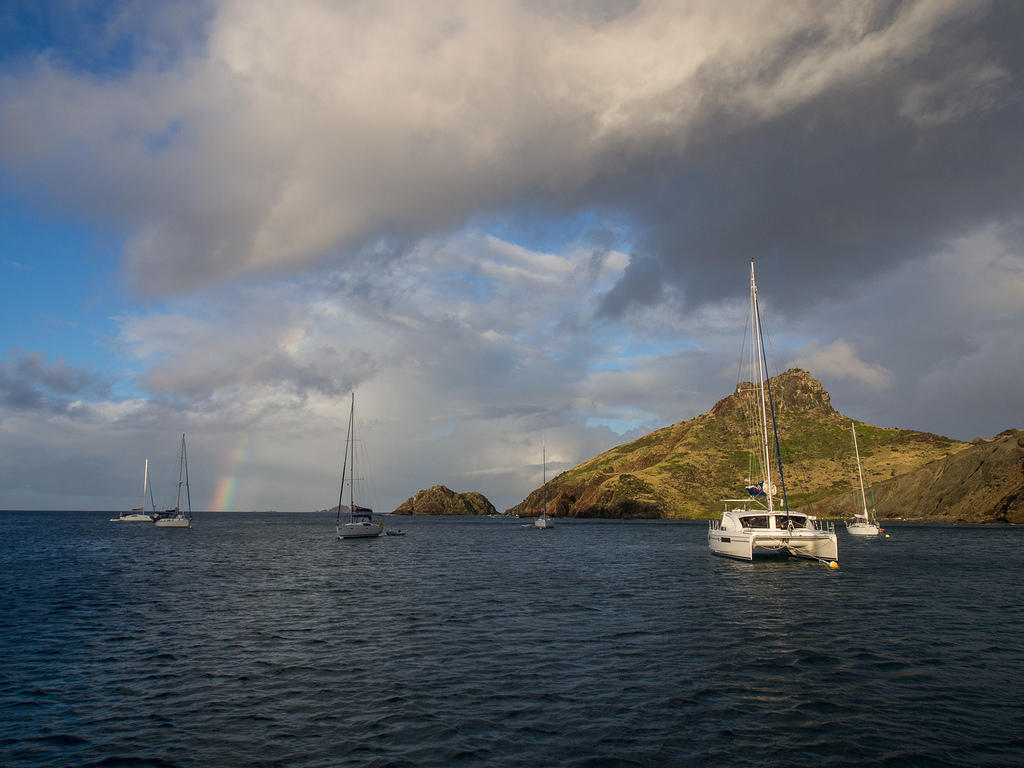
(260, 640)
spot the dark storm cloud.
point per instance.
(29, 383)
(838, 191)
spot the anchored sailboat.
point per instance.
(139, 514)
(544, 521)
(175, 518)
(862, 524)
(754, 527)
(359, 520)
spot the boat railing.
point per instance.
(828, 526)
(714, 525)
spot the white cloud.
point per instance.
(838, 359)
(458, 387)
(302, 129)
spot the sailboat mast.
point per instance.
(145, 478)
(344, 467)
(860, 474)
(544, 471)
(188, 491)
(761, 373)
(352, 459)
(181, 468)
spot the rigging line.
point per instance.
(743, 352)
(367, 487)
(188, 490)
(744, 359)
(775, 427)
(344, 465)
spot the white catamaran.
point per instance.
(755, 527)
(359, 524)
(175, 518)
(544, 521)
(139, 514)
(862, 524)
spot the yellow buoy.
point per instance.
(833, 564)
(887, 535)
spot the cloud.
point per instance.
(839, 359)
(464, 360)
(29, 382)
(943, 327)
(300, 130)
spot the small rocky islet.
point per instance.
(441, 500)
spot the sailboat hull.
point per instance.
(133, 518)
(544, 522)
(862, 529)
(173, 522)
(359, 530)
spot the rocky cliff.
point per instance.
(440, 500)
(684, 470)
(984, 483)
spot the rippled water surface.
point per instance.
(260, 640)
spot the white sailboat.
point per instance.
(544, 521)
(139, 514)
(359, 523)
(753, 527)
(175, 518)
(862, 524)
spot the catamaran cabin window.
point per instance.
(754, 521)
(799, 521)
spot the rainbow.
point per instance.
(227, 484)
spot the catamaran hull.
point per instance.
(173, 522)
(816, 545)
(360, 530)
(544, 522)
(132, 519)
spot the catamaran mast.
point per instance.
(761, 374)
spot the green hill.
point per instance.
(984, 483)
(683, 470)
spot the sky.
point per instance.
(502, 225)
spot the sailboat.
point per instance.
(544, 521)
(175, 518)
(755, 527)
(359, 520)
(139, 514)
(862, 524)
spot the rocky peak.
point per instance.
(793, 391)
(796, 390)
